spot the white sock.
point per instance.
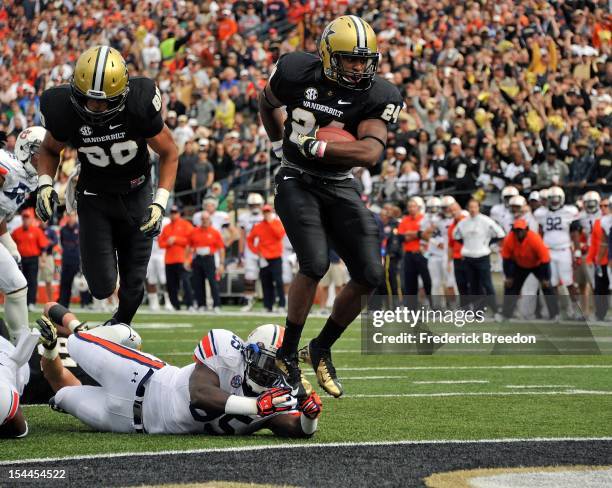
(153, 301)
(16, 313)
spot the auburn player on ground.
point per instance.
(110, 119)
(316, 197)
(17, 180)
(231, 388)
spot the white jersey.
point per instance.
(217, 219)
(166, 405)
(18, 378)
(503, 216)
(17, 184)
(438, 242)
(587, 221)
(247, 220)
(556, 226)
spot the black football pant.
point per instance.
(177, 276)
(463, 284)
(272, 283)
(111, 242)
(204, 269)
(69, 271)
(415, 265)
(601, 292)
(478, 273)
(512, 293)
(315, 211)
(29, 267)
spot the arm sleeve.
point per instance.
(279, 80)
(51, 111)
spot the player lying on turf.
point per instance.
(14, 375)
(231, 388)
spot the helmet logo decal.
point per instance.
(311, 93)
(85, 130)
(236, 381)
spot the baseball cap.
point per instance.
(552, 150)
(519, 224)
(534, 195)
(244, 72)
(183, 118)
(401, 150)
(267, 208)
(455, 140)
(174, 209)
(171, 114)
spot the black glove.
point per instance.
(151, 224)
(46, 201)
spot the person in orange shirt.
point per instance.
(415, 264)
(31, 241)
(455, 257)
(226, 25)
(205, 241)
(524, 252)
(598, 258)
(266, 240)
(175, 239)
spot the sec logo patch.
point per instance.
(311, 93)
(86, 130)
(236, 381)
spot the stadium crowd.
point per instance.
(497, 94)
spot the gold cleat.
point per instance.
(321, 362)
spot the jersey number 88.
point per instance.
(120, 152)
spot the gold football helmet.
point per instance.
(100, 74)
(349, 36)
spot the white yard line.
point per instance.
(539, 386)
(479, 393)
(449, 382)
(309, 445)
(507, 366)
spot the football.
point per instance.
(334, 134)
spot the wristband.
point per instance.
(237, 405)
(45, 180)
(276, 145)
(51, 354)
(161, 197)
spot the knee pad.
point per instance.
(372, 276)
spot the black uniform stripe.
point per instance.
(95, 70)
(103, 68)
(357, 31)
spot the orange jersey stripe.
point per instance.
(206, 346)
(122, 351)
(14, 406)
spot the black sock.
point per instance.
(329, 334)
(293, 332)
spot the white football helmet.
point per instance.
(433, 205)
(119, 333)
(517, 203)
(445, 205)
(420, 203)
(591, 200)
(556, 198)
(507, 193)
(544, 192)
(260, 355)
(26, 146)
(255, 202)
(9, 402)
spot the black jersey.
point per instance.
(313, 100)
(114, 156)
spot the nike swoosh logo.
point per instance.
(342, 102)
(288, 177)
(111, 127)
(85, 192)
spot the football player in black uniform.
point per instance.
(110, 119)
(316, 197)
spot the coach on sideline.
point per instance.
(476, 232)
(524, 252)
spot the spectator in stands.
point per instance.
(31, 241)
(266, 240)
(46, 263)
(71, 257)
(553, 171)
(175, 239)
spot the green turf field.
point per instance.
(387, 397)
